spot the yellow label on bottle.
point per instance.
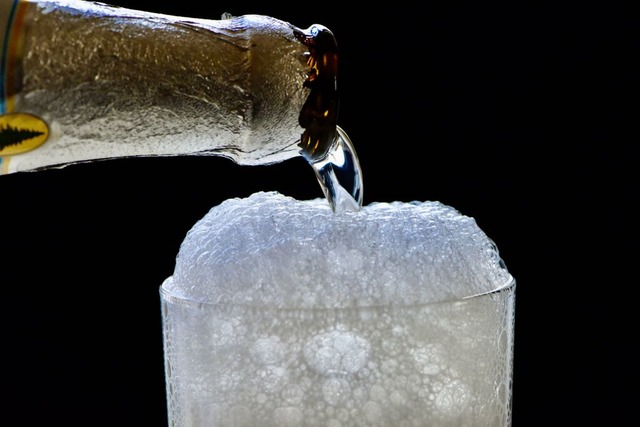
(20, 132)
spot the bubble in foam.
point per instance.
(268, 351)
(272, 250)
(288, 416)
(337, 352)
(453, 397)
(336, 390)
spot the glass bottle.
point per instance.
(84, 81)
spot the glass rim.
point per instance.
(167, 295)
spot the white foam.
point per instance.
(272, 250)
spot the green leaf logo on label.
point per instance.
(20, 132)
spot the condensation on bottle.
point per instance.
(83, 81)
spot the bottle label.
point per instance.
(19, 132)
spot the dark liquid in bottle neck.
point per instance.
(323, 144)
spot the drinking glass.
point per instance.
(441, 362)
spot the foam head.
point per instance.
(272, 250)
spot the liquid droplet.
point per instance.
(340, 175)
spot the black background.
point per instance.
(518, 114)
